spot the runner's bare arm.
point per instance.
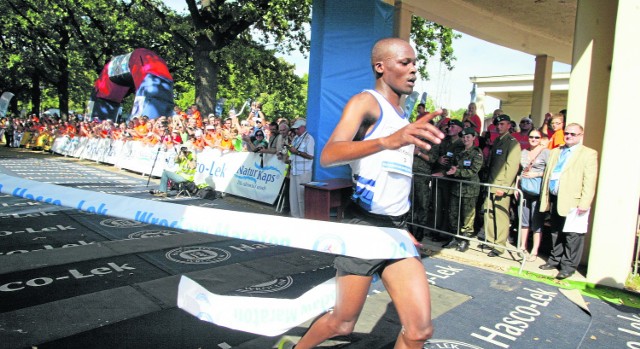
(341, 148)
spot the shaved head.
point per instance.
(386, 48)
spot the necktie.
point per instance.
(555, 177)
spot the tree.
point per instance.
(219, 24)
(430, 38)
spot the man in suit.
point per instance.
(569, 183)
(503, 167)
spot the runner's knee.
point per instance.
(417, 334)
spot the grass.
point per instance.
(609, 294)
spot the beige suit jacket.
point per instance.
(577, 185)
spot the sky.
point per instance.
(474, 58)
(451, 89)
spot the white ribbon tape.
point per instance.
(264, 316)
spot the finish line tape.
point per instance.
(336, 238)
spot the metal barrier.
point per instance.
(434, 182)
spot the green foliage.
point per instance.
(429, 39)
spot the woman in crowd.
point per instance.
(533, 161)
(462, 206)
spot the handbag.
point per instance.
(531, 186)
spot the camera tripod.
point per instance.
(162, 139)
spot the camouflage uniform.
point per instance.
(422, 164)
(464, 196)
(450, 149)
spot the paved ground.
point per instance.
(69, 279)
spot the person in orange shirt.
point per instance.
(557, 139)
(211, 137)
(141, 130)
(195, 113)
(199, 143)
(178, 111)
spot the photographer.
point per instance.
(186, 170)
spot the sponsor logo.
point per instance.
(144, 234)
(276, 285)
(448, 344)
(72, 274)
(121, 223)
(330, 244)
(198, 255)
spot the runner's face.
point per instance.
(399, 68)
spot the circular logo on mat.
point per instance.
(197, 255)
(330, 244)
(276, 285)
(446, 343)
(121, 223)
(144, 234)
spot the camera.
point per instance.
(258, 149)
(184, 149)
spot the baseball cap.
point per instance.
(298, 123)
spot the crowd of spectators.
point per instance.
(184, 128)
(504, 154)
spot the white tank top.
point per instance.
(383, 179)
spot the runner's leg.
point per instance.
(351, 293)
(407, 284)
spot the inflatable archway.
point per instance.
(142, 72)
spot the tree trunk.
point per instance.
(206, 73)
(63, 69)
(63, 87)
(36, 94)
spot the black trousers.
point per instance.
(567, 247)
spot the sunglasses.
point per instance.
(572, 134)
(534, 137)
(525, 122)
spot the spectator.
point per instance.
(275, 139)
(557, 138)
(185, 173)
(211, 137)
(195, 114)
(526, 125)
(534, 160)
(259, 144)
(424, 163)
(422, 111)
(473, 117)
(504, 164)
(302, 151)
(450, 147)
(462, 207)
(568, 188)
(285, 141)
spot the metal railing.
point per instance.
(435, 182)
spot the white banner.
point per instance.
(249, 175)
